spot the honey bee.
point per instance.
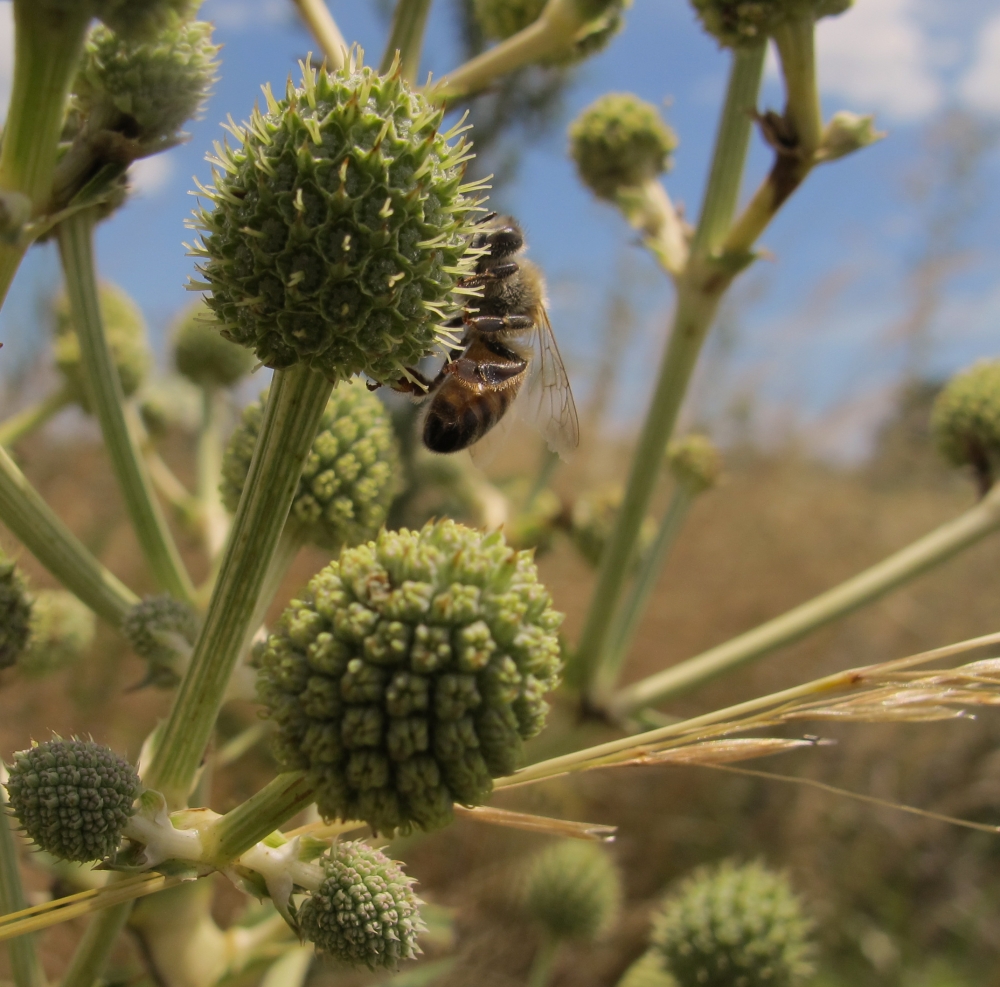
(507, 348)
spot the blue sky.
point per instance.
(812, 334)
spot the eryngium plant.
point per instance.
(15, 614)
(735, 23)
(204, 356)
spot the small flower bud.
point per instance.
(647, 971)
(499, 19)
(365, 912)
(965, 421)
(73, 797)
(731, 924)
(125, 329)
(593, 519)
(161, 630)
(695, 462)
(170, 402)
(349, 478)
(736, 23)
(573, 890)
(15, 614)
(340, 226)
(203, 355)
(620, 141)
(62, 629)
(846, 133)
(407, 675)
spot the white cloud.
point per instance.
(148, 176)
(6, 54)
(980, 86)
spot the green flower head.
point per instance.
(203, 355)
(340, 226)
(965, 420)
(73, 797)
(738, 23)
(62, 629)
(408, 674)
(161, 630)
(695, 462)
(15, 614)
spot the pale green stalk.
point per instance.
(296, 402)
(25, 422)
(107, 399)
(292, 969)
(44, 534)
(544, 962)
(94, 948)
(215, 521)
(866, 587)
(324, 29)
(699, 291)
(407, 37)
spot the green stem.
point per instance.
(25, 422)
(214, 518)
(547, 467)
(796, 44)
(107, 399)
(95, 946)
(864, 588)
(699, 290)
(246, 825)
(324, 29)
(296, 402)
(42, 532)
(24, 964)
(544, 962)
(47, 48)
(626, 620)
(406, 37)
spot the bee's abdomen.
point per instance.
(458, 417)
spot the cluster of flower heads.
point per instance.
(737, 23)
(408, 674)
(340, 226)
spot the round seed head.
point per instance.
(593, 520)
(73, 797)
(339, 226)
(695, 462)
(573, 890)
(15, 614)
(732, 924)
(620, 141)
(125, 329)
(365, 912)
(161, 630)
(349, 478)
(203, 355)
(965, 420)
(407, 675)
(62, 629)
(739, 23)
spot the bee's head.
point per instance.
(501, 235)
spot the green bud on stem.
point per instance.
(62, 629)
(965, 421)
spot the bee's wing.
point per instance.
(548, 402)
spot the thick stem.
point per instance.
(864, 588)
(215, 521)
(796, 45)
(25, 422)
(96, 945)
(407, 37)
(324, 29)
(107, 399)
(649, 210)
(42, 532)
(626, 620)
(296, 402)
(544, 962)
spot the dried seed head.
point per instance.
(15, 614)
(695, 462)
(738, 23)
(203, 355)
(62, 629)
(965, 420)
(407, 675)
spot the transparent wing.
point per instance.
(485, 451)
(548, 401)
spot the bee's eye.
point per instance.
(505, 241)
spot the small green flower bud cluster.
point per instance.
(160, 629)
(15, 614)
(499, 19)
(573, 891)
(170, 402)
(647, 971)
(734, 924)
(340, 226)
(125, 329)
(407, 675)
(73, 797)
(350, 475)
(593, 519)
(620, 141)
(965, 420)
(203, 355)
(62, 629)
(365, 912)
(694, 462)
(737, 23)
(139, 18)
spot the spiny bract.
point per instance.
(204, 356)
(15, 614)
(365, 912)
(340, 226)
(73, 797)
(965, 421)
(734, 924)
(738, 23)
(410, 671)
(349, 478)
(62, 628)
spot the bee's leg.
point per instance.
(491, 324)
(404, 385)
(492, 375)
(498, 272)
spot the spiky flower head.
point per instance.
(203, 355)
(734, 924)
(125, 329)
(73, 797)
(139, 18)
(62, 628)
(593, 519)
(965, 420)
(365, 912)
(350, 475)
(741, 23)
(573, 890)
(695, 462)
(15, 613)
(161, 630)
(340, 226)
(407, 675)
(620, 141)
